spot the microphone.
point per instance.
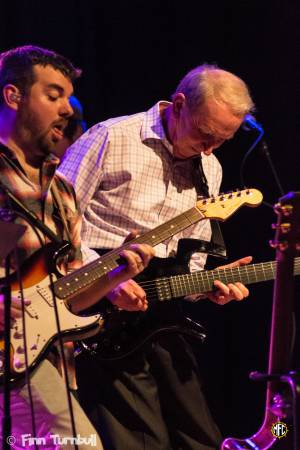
(251, 124)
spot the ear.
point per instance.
(11, 96)
(178, 102)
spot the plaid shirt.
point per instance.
(126, 178)
(39, 201)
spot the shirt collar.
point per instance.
(49, 159)
(152, 127)
(48, 168)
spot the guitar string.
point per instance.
(161, 233)
(261, 272)
(92, 270)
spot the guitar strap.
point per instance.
(216, 246)
(62, 213)
(33, 219)
(68, 346)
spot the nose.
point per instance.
(66, 109)
(211, 146)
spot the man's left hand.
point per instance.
(232, 291)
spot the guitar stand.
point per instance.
(292, 379)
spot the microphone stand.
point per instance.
(251, 124)
(248, 126)
(266, 152)
(6, 420)
(12, 234)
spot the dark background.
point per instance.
(134, 53)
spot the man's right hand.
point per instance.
(15, 310)
(129, 296)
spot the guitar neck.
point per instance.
(219, 208)
(88, 274)
(202, 281)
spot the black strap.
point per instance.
(31, 217)
(57, 199)
(6, 154)
(216, 247)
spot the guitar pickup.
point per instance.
(46, 294)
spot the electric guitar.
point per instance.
(41, 284)
(278, 402)
(122, 332)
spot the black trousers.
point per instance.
(152, 400)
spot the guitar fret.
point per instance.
(83, 277)
(202, 281)
(92, 271)
(170, 228)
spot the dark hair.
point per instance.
(16, 66)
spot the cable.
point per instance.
(247, 154)
(24, 215)
(61, 346)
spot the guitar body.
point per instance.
(40, 322)
(123, 332)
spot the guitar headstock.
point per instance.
(224, 205)
(287, 237)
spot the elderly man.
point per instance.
(137, 172)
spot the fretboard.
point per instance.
(176, 286)
(85, 276)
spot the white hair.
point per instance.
(210, 82)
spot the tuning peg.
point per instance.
(283, 227)
(282, 246)
(286, 210)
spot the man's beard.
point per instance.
(31, 134)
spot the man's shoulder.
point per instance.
(117, 124)
(62, 182)
(123, 123)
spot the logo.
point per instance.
(279, 430)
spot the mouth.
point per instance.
(58, 130)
